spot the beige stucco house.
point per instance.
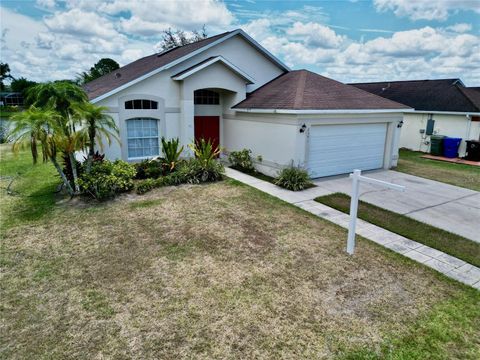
(228, 88)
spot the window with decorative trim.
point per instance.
(141, 104)
(206, 97)
(142, 138)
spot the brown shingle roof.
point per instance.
(142, 66)
(473, 94)
(427, 95)
(305, 90)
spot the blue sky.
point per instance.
(346, 40)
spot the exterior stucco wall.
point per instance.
(273, 137)
(277, 137)
(243, 55)
(176, 110)
(449, 125)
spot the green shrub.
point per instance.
(205, 152)
(149, 169)
(107, 178)
(171, 153)
(293, 178)
(191, 171)
(242, 160)
(145, 186)
(195, 171)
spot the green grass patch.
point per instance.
(467, 176)
(436, 238)
(33, 188)
(145, 203)
(433, 336)
(96, 303)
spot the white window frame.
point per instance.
(131, 158)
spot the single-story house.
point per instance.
(442, 107)
(230, 89)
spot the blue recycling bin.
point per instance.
(450, 147)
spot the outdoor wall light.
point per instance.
(400, 124)
(303, 128)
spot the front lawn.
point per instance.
(214, 271)
(466, 176)
(33, 187)
(418, 231)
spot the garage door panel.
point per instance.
(339, 149)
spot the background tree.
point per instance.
(102, 67)
(62, 120)
(34, 127)
(21, 85)
(58, 95)
(4, 75)
(65, 133)
(174, 38)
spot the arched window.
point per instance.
(141, 104)
(206, 97)
(142, 138)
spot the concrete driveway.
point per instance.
(448, 207)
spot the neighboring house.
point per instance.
(443, 107)
(230, 89)
(11, 99)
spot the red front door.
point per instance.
(208, 128)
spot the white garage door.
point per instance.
(339, 149)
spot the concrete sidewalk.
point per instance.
(448, 265)
(445, 206)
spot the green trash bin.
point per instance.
(436, 145)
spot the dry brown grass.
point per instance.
(215, 271)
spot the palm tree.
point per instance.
(30, 127)
(58, 95)
(63, 97)
(35, 127)
(97, 124)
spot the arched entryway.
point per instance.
(207, 114)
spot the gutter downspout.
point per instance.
(469, 126)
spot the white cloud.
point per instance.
(259, 29)
(46, 4)
(316, 35)
(417, 53)
(460, 28)
(426, 9)
(80, 32)
(426, 41)
(45, 40)
(150, 17)
(80, 23)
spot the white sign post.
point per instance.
(356, 179)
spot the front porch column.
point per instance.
(186, 124)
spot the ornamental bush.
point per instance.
(149, 169)
(242, 160)
(293, 178)
(192, 171)
(196, 171)
(106, 179)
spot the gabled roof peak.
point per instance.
(147, 66)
